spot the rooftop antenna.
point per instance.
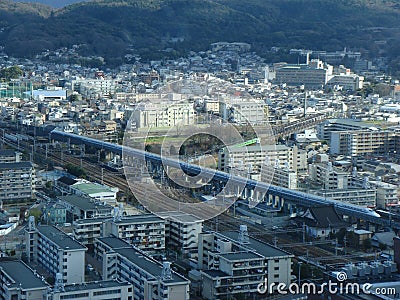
(243, 235)
(116, 213)
(31, 223)
(120, 211)
(59, 284)
(166, 273)
(366, 184)
(287, 167)
(277, 163)
(329, 167)
(354, 172)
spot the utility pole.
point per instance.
(299, 263)
(336, 246)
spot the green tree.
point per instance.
(76, 171)
(13, 72)
(367, 244)
(382, 246)
(37, 213)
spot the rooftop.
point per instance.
(92, 220)
(67, 180)
(255, 148)
(7, 152)
(84, 203)
(350, 122)
(148, 265)
(29, 280)
(180, 217)
(94, 285)
(92, 188)
(145, 218)
(215, 273)
(240, 256)
(60, 238)
(16, 165)
(114, 242)
(259, 247)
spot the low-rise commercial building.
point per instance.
(84, 188)
(81, 207)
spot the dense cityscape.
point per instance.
(214, 175)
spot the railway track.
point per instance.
(223, 222)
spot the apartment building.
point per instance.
(357, 196)
(182, 231)
(251, 159)
(163, 114)
(19, 281)
(329, 177)
(244, 111)
(98, 290)
(9, 156)
(94, 87)
(151, 279)
(283, 177)
(233, 263)
(87, 230)
(146, 232)
(386, 194)
(325, 128)
(362, 142)
(17, 181)
(55, 251)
